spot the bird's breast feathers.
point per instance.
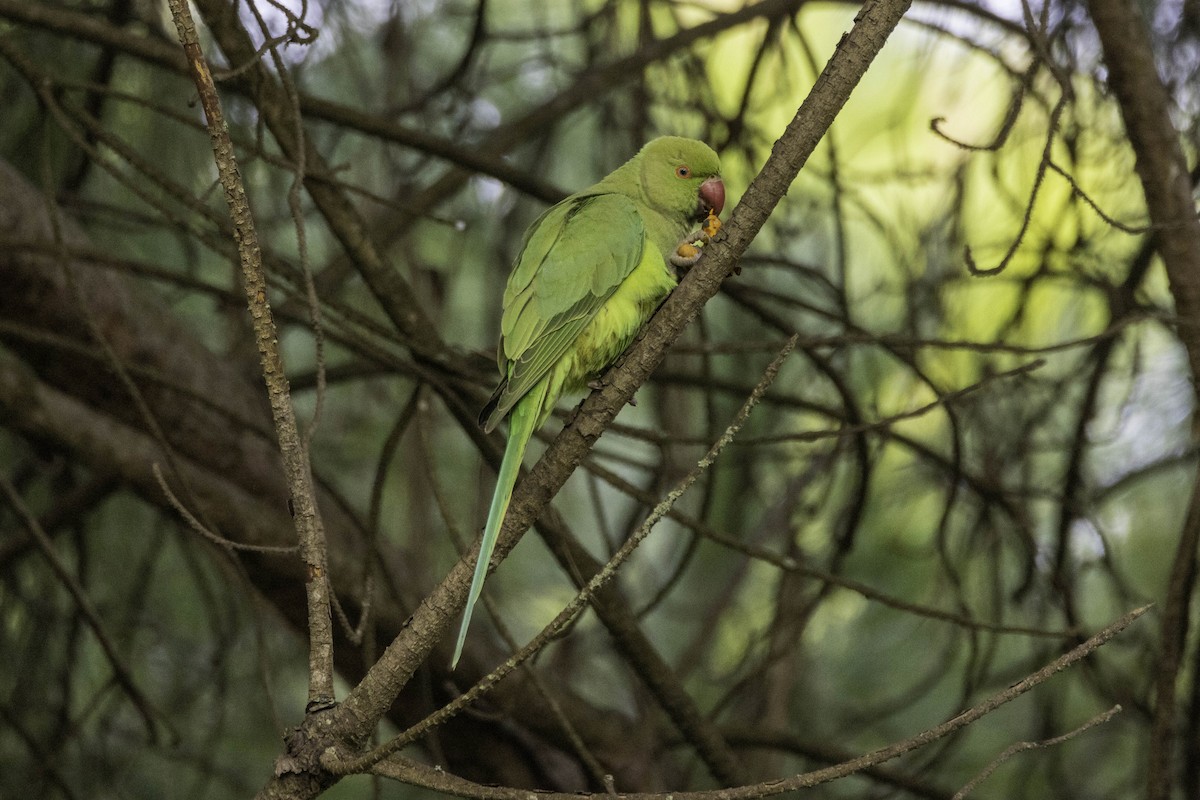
(614, 324)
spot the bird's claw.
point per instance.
(685, 256)
(599, 384)
(689, 249)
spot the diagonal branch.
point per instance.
(421, 775)
(576, 606)
(853, 55)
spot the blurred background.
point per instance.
(978, 453)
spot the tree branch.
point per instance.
(367, 701)
(421, 775)
(309, 529)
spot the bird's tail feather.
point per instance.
(521, 424)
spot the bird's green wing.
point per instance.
(574, 258)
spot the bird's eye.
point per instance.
(683, 172)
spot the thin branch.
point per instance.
(121, 671)
(309, 529)
(1021, 747)
(199, 527)
(568, 728)
(420, 775)
(368, 701)
(345, 766)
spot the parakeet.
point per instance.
(591, 271)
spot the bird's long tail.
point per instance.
(521, 424)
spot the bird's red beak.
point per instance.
(712, 196)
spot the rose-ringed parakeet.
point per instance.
(591, 271)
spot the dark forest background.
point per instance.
(977, 454)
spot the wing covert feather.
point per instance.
(574, 258)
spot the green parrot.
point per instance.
(591, 271)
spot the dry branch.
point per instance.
(309, 528)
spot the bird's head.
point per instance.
(682, 176)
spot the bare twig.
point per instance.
(1021, 747)
(427, 777)
(296, 464)
(369, 700)
(344, 766)
(195, 524)
(121, 672)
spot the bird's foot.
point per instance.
(690, 247)
(596, 383)
(685, 257)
